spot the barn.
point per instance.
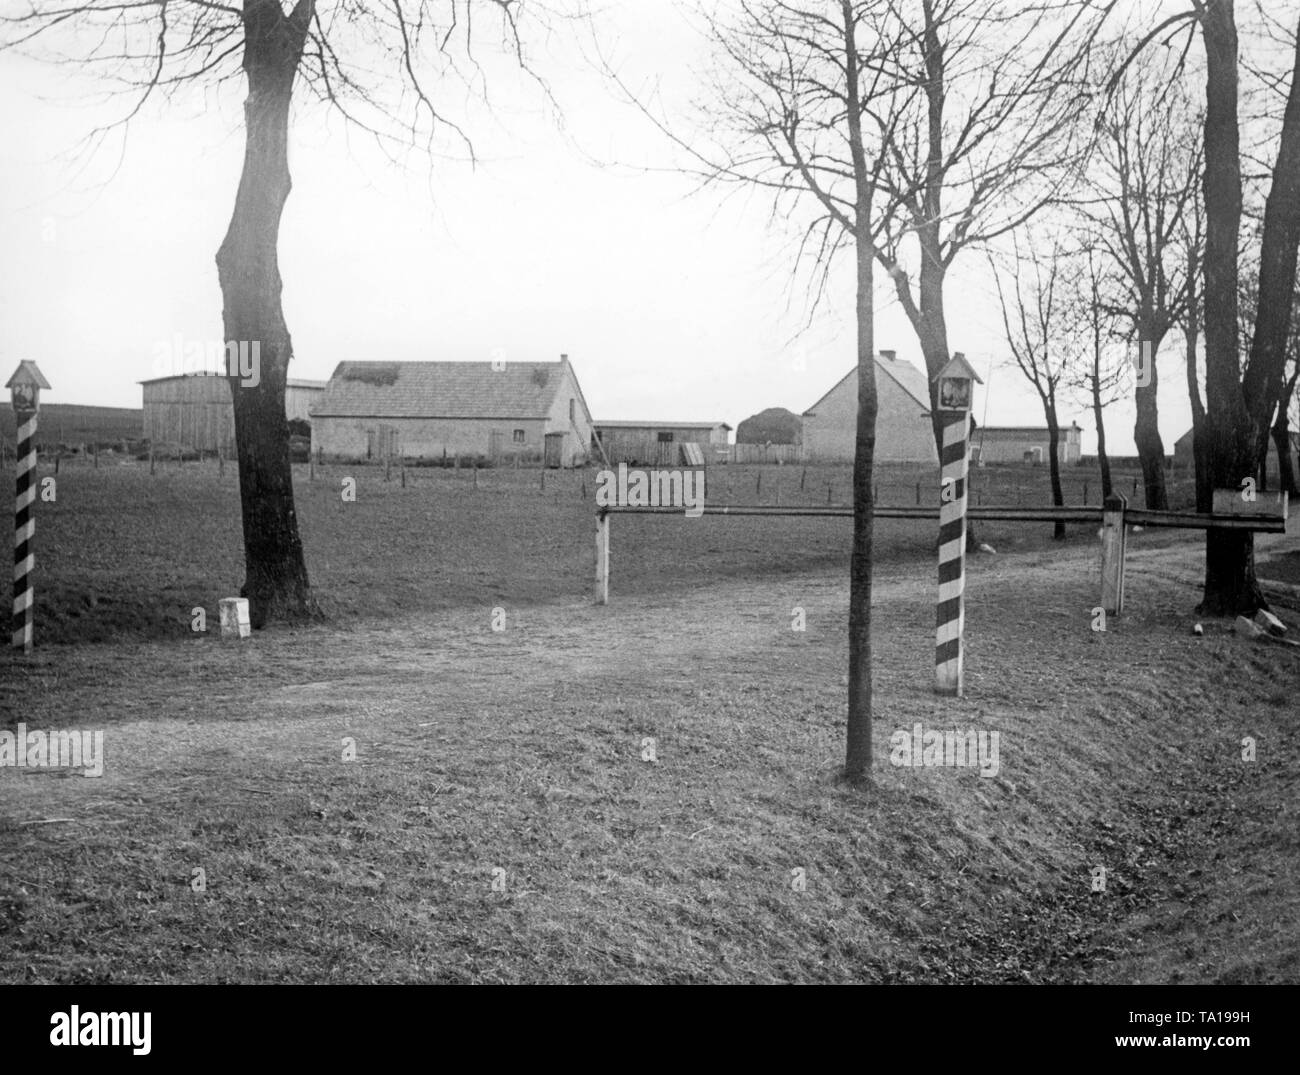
(903, 430)
(497, 411)
(1184, 457)
(1024, 444)
(661, 443)
(193, 410)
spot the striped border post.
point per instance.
(956, 385)
(950, 612)
(24, 529)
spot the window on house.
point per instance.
(665, 438)
(573, 410)
(519, 436)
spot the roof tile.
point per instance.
(440, 390)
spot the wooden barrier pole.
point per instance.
(1113, 546)
(602, 558)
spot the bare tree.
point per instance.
(1192, 242)
(1039, 315)
(1282, 429)
(1142, 181)
(1240, 401)
(1100, 376)
(801, 101)
(990, 140)
(343, 55)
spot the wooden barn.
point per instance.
(1184, 459)
(1024, 444)
(662, 443)
(903, 430)
(193, 410)
(533, 411)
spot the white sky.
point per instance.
(671, 304)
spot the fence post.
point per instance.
(602, 558)
(1113, 542)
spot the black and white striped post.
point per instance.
(25, 391)
(956, 382)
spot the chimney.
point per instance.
(888, 356)
(956, 355)
(564, 358)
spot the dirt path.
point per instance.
(1120, 749)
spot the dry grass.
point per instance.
(522, 751)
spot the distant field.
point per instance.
(516, 756)
(120, 552)
(71, 423)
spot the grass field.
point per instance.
(73, 423)
(516, 757)
(109, 568)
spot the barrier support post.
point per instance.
(1114, 541)
(602, 558)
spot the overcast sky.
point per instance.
(572, 234)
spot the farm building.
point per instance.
(194, 409)
(661, 443)
(1023, 444)
(903, 430)
(531, 411)
(1183, 457)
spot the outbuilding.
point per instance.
(495, 411)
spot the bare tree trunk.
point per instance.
(858, 750)
(857, 759)
(1103, 460)
(248, 269)
(1054, 467)
(1200, 444)
(1264, 383)
(1146, 432)
(1282, 444)
(1282, 436)
(1230, 583)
